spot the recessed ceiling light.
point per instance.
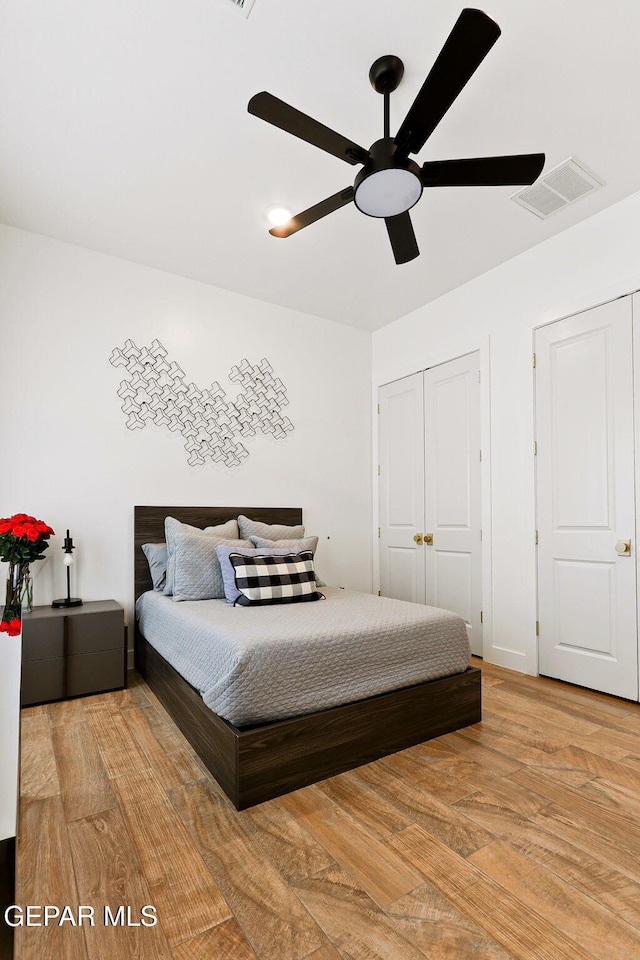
(278, 215)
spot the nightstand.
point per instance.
(73, 651)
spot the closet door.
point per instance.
(585, 500)
(452, 490)
(401, 489)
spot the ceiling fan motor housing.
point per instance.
(388, 184)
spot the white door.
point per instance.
(585, 500)
(452, 484)
(401, 489)
(429, 452)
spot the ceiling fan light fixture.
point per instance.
(386, 193)
(388, 184)
(277, 216)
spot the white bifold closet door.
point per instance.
(452, 491)
(585, 500)
(401, 489)
(429, 490)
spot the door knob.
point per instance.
(418, 538)
(428, 539)
(623, 548)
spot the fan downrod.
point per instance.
(386, 73)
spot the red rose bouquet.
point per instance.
(22, 540)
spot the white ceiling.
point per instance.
(125, 130)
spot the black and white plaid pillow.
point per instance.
(267, 580)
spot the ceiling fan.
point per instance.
(390, 183)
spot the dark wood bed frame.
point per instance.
(258, 763)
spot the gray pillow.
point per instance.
(293, 543)
(173, 526)
(305, 543)
(197, 574)
(156, 554)
(274, 531)
(228, 529)
(231, 591)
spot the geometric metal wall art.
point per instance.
(211, 423)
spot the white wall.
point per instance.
(588, 264)
(75, 464)
(9, 732)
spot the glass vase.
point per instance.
(19, 586)
(27, 592)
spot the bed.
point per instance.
(255, 759)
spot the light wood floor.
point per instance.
(518, 837)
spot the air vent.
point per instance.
(557, 188)
(244, 6)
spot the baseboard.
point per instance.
(7, 894)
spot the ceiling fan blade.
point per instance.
(314, 213)
(282, 115)
(402, 237)
(467, 45)
(483, 171)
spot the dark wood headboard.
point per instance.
(148, 524)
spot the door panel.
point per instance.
(452, 474)
(585, 500)
(453, 586)
(581, 455)
(586, 601)
(402, 574)
(401, 489)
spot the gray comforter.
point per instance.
(255, 664)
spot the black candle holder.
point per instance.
(68, 601)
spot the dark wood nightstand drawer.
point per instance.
(42, 639)
(42, 681)
(90, 634)
(72, 652)
(92, 672)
